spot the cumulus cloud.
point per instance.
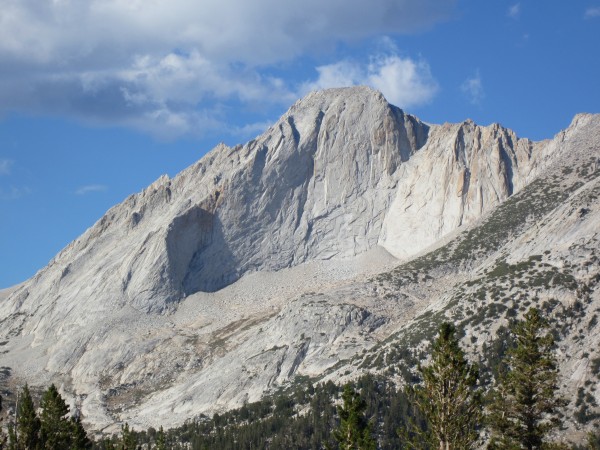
(403, 81)
(167, 66)
(592, 12)
(5, 165)
(514, 11)
(83, 190)
(261, 31)
(166, 96)
(472, 87)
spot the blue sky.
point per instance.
(98, 98)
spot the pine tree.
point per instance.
(56, 427)
(525, 405)
(107, 444)
(448, 398)
(79, 437)
(129, 440)
(593, 441)
(161, 440)
(12, 438)
(354, 431)
(3, 439)
(28, 423)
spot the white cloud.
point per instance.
(175, 61)
(592, 12)
(261, 31)
(403, 81)
(473, 88)
(5, 165)
(514, 11)
(253, 129)
(339, 74)
(83, 190)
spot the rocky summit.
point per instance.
(345, 232)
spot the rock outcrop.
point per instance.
(329, 180)
(211, 288)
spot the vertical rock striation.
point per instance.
(340, 174)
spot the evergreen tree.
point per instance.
(161, 440)
(56, 427)
(129, 440)
(3, 439)
(524, 405)
(28, 423)
(79, 437)
(593, 441)
(448, 398)
(107, 444)
(12, 437)
(354, 432)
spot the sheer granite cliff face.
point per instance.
(331, 179)
(463, 171)
(339, 187)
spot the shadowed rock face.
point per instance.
(341, 175)
(316, 185)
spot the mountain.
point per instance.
(328, 246)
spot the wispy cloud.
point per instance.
(83, 190)
(167, 67)
(253, 129)
(13, 193)
(592, 12)
(472, 87)
(514, 11)
(405, 82)
(5, 165)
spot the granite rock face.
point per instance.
(463, 171)
(250, 252)
(329, 180)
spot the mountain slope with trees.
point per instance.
(303, 270)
